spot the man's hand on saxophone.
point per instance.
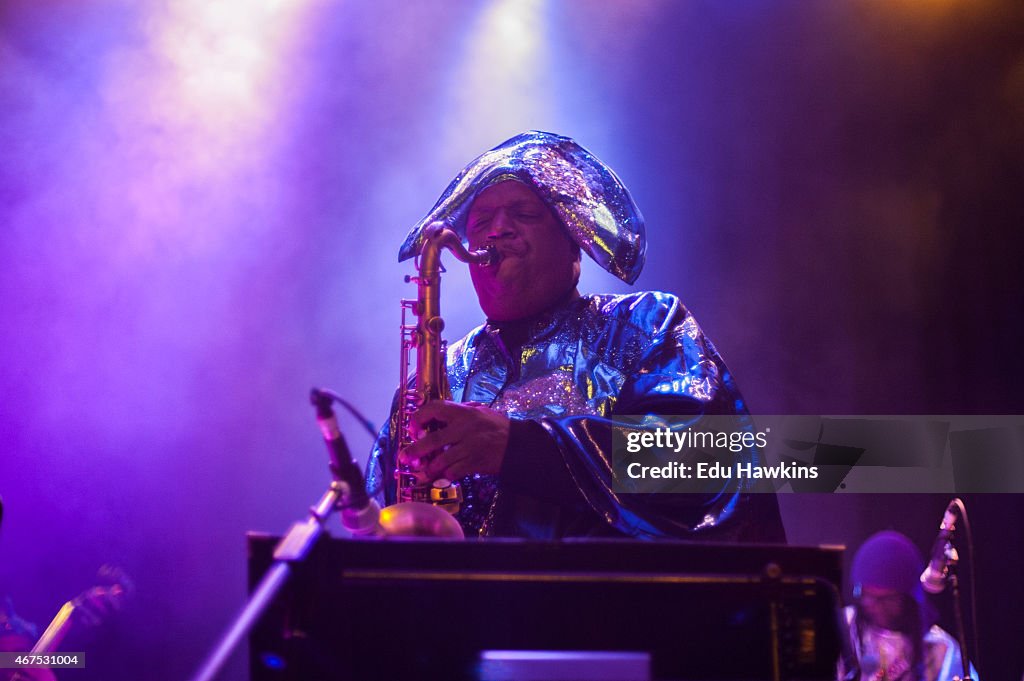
(453, 440)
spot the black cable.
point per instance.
(363, 421)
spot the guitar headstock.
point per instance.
(97, 603)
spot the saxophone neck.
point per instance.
(438, 237)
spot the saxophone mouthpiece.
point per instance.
(493, 256)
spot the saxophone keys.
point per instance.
(447, 494)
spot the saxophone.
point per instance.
(431, 367)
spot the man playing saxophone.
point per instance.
(527, 431)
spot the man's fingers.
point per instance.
(439, 411)
(422, 448)
(450, 464)
(423, 416)
(429, 444)
(471, 439)
(452, 422)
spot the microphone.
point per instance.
(933, 579)
(359, 513)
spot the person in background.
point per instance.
(891, 627)
(18, 636)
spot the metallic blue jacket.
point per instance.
(583, 363)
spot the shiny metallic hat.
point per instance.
(585, 195)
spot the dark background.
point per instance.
(201, 205)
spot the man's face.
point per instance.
(539, 265)
(882, 607)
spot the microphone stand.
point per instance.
(359, 515)
(958, 614)
(293, 548)
(951, 559)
